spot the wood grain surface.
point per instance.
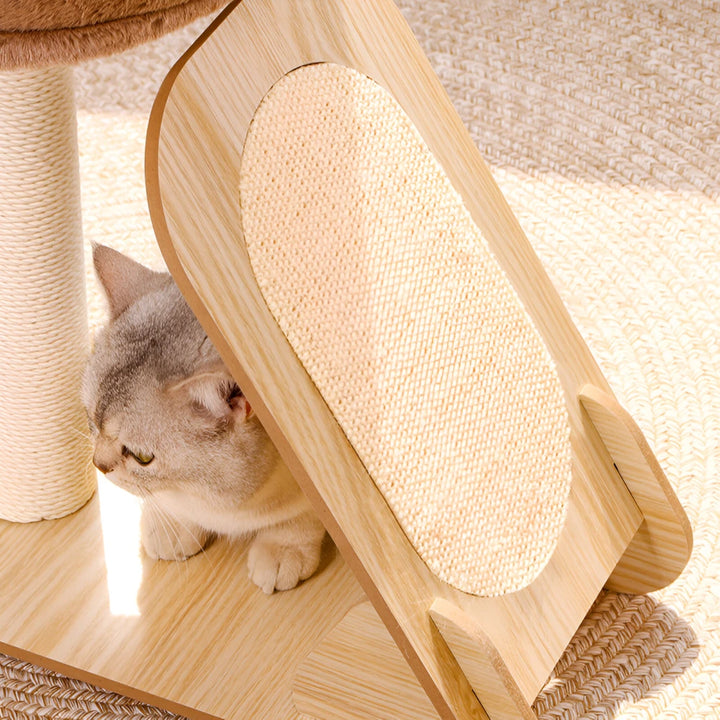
(195, 637)
(357, 672)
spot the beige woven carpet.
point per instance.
(601, 124)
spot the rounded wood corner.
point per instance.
(662, 545)
(481, 662)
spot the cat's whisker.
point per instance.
(158, 516)
(89, 464)
(178, 521)
(85, 435)
(162, 522)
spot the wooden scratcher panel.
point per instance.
(393, 302)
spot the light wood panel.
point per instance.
(357, 672)
(202, 640)
(195, 142)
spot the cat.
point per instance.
(170, 425)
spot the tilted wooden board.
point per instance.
(195, 143)
(665, 524)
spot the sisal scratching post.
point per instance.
(45, 468)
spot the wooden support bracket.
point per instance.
(662, 546)
(481, 663)
(357, 672)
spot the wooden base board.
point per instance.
(481, 663)
(357, 672)
(195, 637)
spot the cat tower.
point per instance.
(334, 228)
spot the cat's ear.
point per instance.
(123, 279)
(213, 394)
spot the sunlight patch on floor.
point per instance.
(120, 517)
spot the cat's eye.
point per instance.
(140, 457)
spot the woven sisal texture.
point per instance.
(412, 333)
(600, 123)
(44, 454)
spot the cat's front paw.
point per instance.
(165, 538)
(273, 565)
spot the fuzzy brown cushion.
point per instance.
(41, 33)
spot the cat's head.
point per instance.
(163, 410)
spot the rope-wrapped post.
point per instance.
(45, 463)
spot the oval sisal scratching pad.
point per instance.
(389, 295)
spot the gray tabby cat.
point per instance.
(170, 425)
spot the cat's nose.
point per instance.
(101, 465)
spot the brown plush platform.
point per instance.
(41, 33)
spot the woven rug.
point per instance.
(600, 123)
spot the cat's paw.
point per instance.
(273, 565)
(165, 538)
